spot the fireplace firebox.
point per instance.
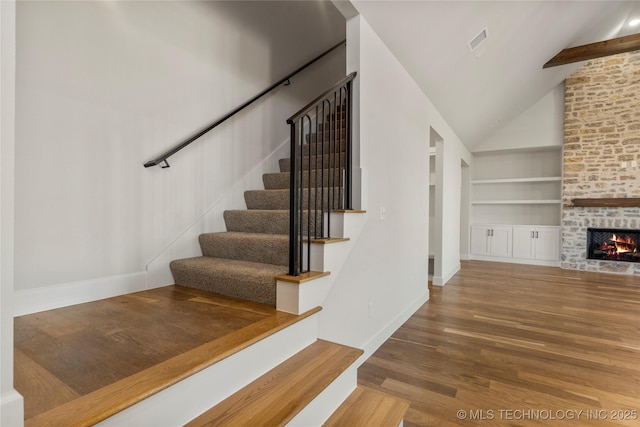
(610, 244)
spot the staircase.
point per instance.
(289, 376)
(244, 261)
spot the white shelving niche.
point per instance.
(518, 188)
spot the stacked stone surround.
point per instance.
(602, 130)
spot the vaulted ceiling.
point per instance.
(480, 91)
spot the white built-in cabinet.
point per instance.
(537, 243)
(516, 199)
(491, 240)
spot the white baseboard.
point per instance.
(11, 409)
(441, 281)
(516, 260)
(48, 298)
(378, 339)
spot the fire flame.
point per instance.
(619, 244)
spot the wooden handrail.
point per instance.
(162, 159)
(313, 103)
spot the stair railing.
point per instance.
(320, 169)
(162, 159)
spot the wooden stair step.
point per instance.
(366, 407)
(107, 401)
(276, 397)
(304, 277)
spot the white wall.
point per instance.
(452, 205)
(11, 409)
(385, 278)
(465, 213)
(452, 201)
(432, 204)
(103, 87)
(542, 125)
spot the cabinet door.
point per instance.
(548, 244)
(524, 242)
(479, 240)
(500, 241)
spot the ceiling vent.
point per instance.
(477, 40)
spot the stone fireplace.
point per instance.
(613, 244)
(601, 157)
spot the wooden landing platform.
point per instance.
(92, 360)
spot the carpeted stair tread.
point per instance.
(241, 279)
(327, 161)
(261, 221)
(257, 221)
(281, 180)
(267, 199)
(334, 126)
(260, 234)
(326, 136)
(326, 147)
(253, 247)
(279, 199)
(337, 116)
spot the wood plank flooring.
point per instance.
(70, 352)
(514, 345)
(368, 408)
(279, 395)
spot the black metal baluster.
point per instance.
(336, 158)
(338, 204)
(319, 190)
(335, 124)
(293, 209)
(347, 154)
(309, 212)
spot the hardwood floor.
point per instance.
(63, 354)
(515, 345)
(504, 344)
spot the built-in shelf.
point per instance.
(516, 180)
(516, 202)
(516, 191)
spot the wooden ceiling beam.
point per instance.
(595, 50)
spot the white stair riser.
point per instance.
(295, 298)
(298, 298)
(329, 257)
(187, 399)
(347, 224)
